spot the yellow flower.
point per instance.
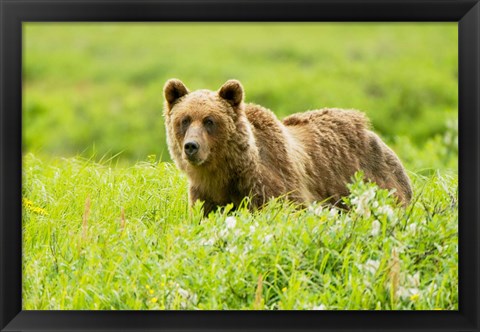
(154, 300)
(162, 284)
(414, 297)
(147, 287)
(284, 289)
(29, 205)
(39, 210)
(151, 291)
(438, 309)
(27, 202)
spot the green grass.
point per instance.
(81, 253)
(106, 223)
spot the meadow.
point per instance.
(106, 222)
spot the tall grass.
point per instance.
(103, 237)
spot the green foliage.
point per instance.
(97, 236)
(97, 88)
(110, 232)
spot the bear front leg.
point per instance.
(196, 195)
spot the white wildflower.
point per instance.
(231, 222)
(316, 210)
(362, 202)
(333, 213)
(192, 298)
(414, 280)
(376, 226)
(363, 210)
(369, 194)
(232, 250)
(386, 210)
(208, 242)
(247, 249)
(268, 238)
(320, 307)
(183, 293)
(412, 228)
(252, 228)
(408, 293)
(440, 248)
(371, 266)
(402, 292)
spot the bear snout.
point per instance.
(191, 148)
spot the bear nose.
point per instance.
(191, 148)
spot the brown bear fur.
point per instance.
(244, 150)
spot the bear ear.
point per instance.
(232, 91)
(173, 90)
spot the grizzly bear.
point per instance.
(230, 150)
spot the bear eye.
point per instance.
(185, 121)
(208, 122)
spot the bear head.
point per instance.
(200, 124)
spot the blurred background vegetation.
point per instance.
(95, 89)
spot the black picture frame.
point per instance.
(14, 12)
